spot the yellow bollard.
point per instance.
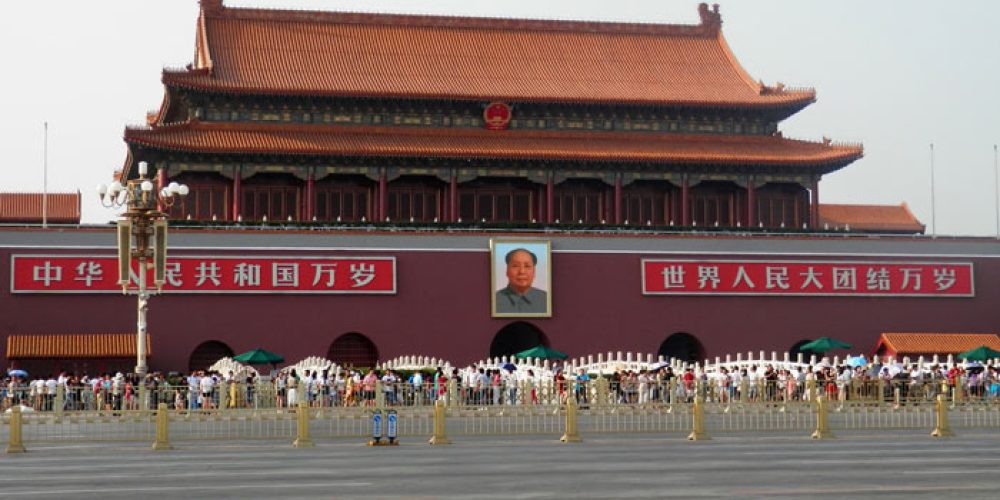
(571, 435)
(698, 422)
(302, 433)
(14, 444)
(822, 426)
(942, 429)
(439, 436)
(162, 428)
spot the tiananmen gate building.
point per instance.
(355, 176)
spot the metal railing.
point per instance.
(599, 407)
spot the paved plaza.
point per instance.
(858, 465)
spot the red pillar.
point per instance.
(237, 194)
(161, 182)
(383, 206)
(814, 209)
(685, 210)
(550, 197)
(453, 198)
(310, 195)
(618, 199)
(751, 204)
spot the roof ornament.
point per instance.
(710, 19)
(211, 6)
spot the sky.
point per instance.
(897, 76)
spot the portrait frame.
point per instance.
(500, 306)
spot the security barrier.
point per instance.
(569, 411)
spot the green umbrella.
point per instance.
(259, 357)
(541, 352)
(824, 344)
(981, 353)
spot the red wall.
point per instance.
(442, 309)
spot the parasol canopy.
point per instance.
(824, 344)
(981, 353)
(541, 352)
(259, 357)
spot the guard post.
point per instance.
(822, 425)
(14, 444)
(698, 432)
(439, 436)
(162, 428)
(571, 435)
(302, 439)
(943, 428)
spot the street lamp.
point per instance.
(141, 223)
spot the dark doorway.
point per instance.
(793, 352)
(353, 350)
(207, 353)
(682, 346)
(516, 337)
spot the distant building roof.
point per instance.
(101, 345)
(926, 344)
(872, 218)
(63, 208)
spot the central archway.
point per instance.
(682, 346)
(353, 350)
(516, 337)
(207, 353)
(796, 349)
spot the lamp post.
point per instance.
(142, 236)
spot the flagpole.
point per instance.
(45, 178)
(933, 207)
(996, 188)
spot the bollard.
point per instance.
(698, 432)
(14, 444)
(571, 435)
(59, 401)
(942, 429)
(439, 436)
(822, 425)
(602, 392)
(377, 427)
(162, 428)
(302, 439)
(391, 421)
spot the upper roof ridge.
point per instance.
(711, 20)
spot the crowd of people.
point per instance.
(504, 385)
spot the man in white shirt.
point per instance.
(207, 388)
(194, 390)
(417, 382)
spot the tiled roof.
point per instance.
(936, 343)
(63, 208)
(249, 138)
(889, 218)
(356, 54)
(106, 345)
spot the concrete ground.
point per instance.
(894, 464)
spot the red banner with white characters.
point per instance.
(209, 274)
(851, 279)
